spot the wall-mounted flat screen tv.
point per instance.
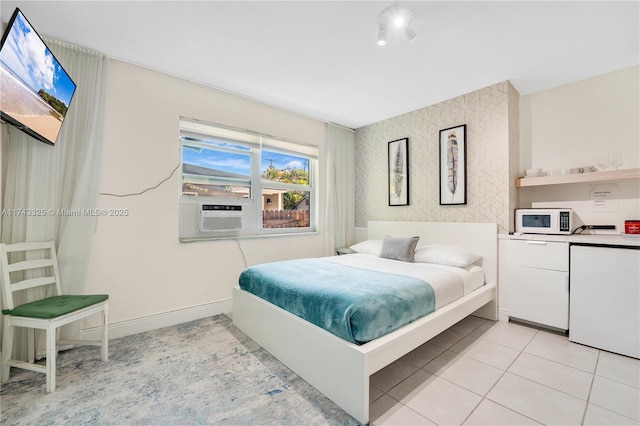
(35, 91)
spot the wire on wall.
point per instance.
(244, 258)
(144, 190)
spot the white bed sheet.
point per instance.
(449, 283)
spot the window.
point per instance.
(240, 183)
(215, 169)
(285, 190)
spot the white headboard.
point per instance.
(481, 238)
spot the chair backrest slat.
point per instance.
(32, 282)
(48, 265)
(28, 246)
(29, 264)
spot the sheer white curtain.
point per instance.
(341, 188)
(64, 177)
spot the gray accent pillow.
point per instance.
(399, 248)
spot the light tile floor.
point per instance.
(481, 372)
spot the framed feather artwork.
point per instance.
(453, 165)
(399, 172)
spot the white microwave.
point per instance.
(544, 221)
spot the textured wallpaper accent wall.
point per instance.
(491, 116)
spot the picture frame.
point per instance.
(398, 165)
(453, 165)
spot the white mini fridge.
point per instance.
(604, 298)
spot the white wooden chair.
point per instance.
(29, 271)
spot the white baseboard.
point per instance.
(165, 319)
(503, 315)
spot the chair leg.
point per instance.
(7, 348)
(105, 334)
(51, 360)
(31, 345)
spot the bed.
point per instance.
(340, 368)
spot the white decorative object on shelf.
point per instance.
(577, 170)
(616, 160)
(533, 172)
(603, 162)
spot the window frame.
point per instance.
(257, 144)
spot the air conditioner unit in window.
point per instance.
(217, 217)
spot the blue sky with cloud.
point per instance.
(25, 54)
(240, 163)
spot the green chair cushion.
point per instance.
(55, 306)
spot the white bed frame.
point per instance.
(340, 369)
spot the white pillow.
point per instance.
(446, 255)
(368, 247)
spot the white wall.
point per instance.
(569, 126)
(137, 259)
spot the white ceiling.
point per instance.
(321, 59)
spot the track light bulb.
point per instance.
(382, 36)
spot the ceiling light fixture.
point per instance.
(397, 17)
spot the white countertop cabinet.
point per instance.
(586, 284)
(535, 275)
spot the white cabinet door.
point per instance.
(605, 298)
(540, 296)
(534, 275)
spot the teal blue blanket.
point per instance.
(355, 304)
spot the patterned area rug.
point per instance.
(198, 373)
